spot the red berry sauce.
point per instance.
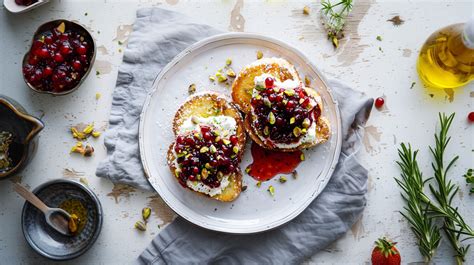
(57, 60)
(283, 115)
(203, 156)
(267, 163)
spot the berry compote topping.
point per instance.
(58, 59)
(283, 115)
(205, 156)
(25, 2)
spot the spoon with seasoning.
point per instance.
(55, 217)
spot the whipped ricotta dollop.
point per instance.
(225, 125)
(310, 136)
(203, 188)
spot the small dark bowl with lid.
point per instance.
(18, 141)
(60, 58)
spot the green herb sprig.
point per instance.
(422, 212)
(469, 176)
(335, 18)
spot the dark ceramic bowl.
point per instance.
(69, 25)
(15, 120)
(47, 241)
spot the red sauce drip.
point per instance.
(267, 163)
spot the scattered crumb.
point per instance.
(85, 14)
(412, 85)
(192, 89)
(396, 20)
(306, 10)
(97, 73)
(431, 95)
(244, 188)
(84, 181)
(282, 179)
(97, 96)
(120, 43)
(294, 174)
(379, 38)
(259, 54)
(119, 50)
(380, 49)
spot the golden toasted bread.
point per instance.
(244, 83)
(206, 105)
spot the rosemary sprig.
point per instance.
(422, 212)
(446, 190)
(417, 212)
(334, 15)
(469, 176)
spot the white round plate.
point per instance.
(255, 210)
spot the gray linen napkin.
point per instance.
(158, 35)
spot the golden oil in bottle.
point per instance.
(446, 59)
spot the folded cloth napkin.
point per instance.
(158, 35)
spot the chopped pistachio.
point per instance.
(259, 54)
(259, 183)
(120, 43)
(177, 171)
(302, 158)
(266, 131)
(220, 77)
(259, 88)
(282, 179)
(146, 212)
(306, 10)
(258, 97)
(208, 166)
(89, 128)
(204, 149)
(235, 149)
(97, 73)
(297, 131)
(95, 134)
(213, 149)
(218, 138)
(306, 123)
(192, 89)
(267, 102)
(271, 118)
(181, 154)
(379, 38)
(271, 189)
(276, 89)
(284, 101)
(212, 78)
(335, 41)
(97, 95)
(289, 92)
(304, 131)
(247, 169)
(225, 141)
(140, 226)
(292, 120)
(301, 100)
(230, 73)
(198, 177)
(204, 173)
(228, 61)
(220, 175)
(307, 81)
(84, 181)
(76, 134)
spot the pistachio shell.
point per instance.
(146, 212)
(271, 189)
(282, 179)
(204, 149)
(140, 226)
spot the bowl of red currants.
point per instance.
(60, 58)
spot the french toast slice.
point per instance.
(244, 82)
(206, 105)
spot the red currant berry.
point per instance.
(81, 50)
(58, 58)
(47, 71)
(42, 53)
(76, 64)
(269, 82)
(470, 117)
(379, 102)
(233, 139)
(65, 50)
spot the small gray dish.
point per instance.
(48, 242)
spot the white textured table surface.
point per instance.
(411, 114)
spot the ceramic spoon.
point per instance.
(55, 217)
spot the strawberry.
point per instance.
(385, 253)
